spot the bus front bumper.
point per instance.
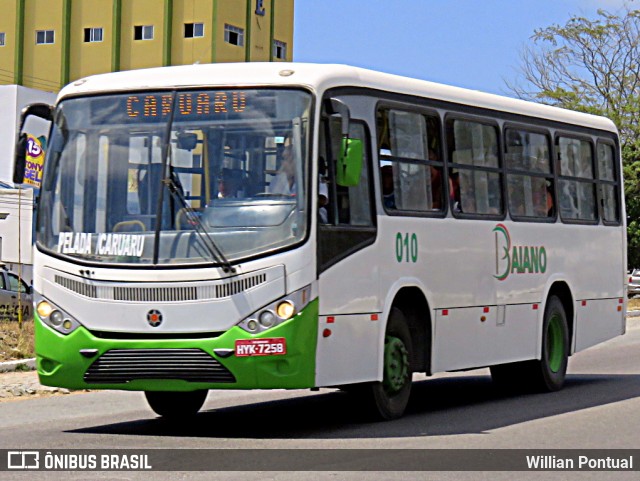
(81, 360)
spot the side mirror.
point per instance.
(187, 141)
(43, 111)
(340, 108)
(20, 159)
(349, 165)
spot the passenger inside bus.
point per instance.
(388, 196)
(454, 191)
(228, 184)
(284, 181)
(436, 182)
(323, 200)
(550, 207)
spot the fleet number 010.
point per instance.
(406, 247)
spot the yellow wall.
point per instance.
(88, 58)
(8, 52)
(46, 67)
(283, 25)
(260, 33)
(233, 12)
(141, 53)
(42, 64)
(190, 50)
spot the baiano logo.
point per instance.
(516, 259)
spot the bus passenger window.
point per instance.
(529, 176)
(607, 183)
(473, 151)
(410, 162)
(347, 205)
(576, 187)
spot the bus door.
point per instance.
(348, 280)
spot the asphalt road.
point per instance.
(598, 408)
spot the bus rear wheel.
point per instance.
(548, 373)
(388, 399)
(176, 405)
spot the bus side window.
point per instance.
(411, 167)
(608, 188)
(347, 205)
(349, 219)
(473, 154)
(576, 172)
(529, 175)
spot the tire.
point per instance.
(548, 373)
(176, 405)
(388, 399)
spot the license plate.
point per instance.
(276, 346)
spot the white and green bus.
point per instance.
(261, 226)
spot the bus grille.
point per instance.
(161, 294)
(119, 366)
(216, 290)
(87, 290)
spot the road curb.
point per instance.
(633, 313)
(24, 364)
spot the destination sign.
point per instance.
(187, 104)
(155, 107)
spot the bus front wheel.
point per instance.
(388, 399)
(174, 405)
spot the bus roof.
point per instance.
(318, 77)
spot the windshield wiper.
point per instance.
(175, 189)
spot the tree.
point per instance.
(593, 66)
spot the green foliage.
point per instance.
(593, 66)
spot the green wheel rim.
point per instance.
(396, 364)
(555, 343)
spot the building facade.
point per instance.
(45, 44)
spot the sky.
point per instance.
(474, 44)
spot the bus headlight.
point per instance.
(44, 309)
(56, 318)
(286, 309)
(277, 312)
(267, 319)
(53, 316)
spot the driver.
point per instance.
(284, 181)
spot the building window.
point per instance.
(234, 35)
(44, 37)
(279, 50)
(93, 34)
(143, 32)
(2, 37)
(192, 30)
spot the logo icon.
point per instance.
(516, 259)
(23, 460)
(154, 318)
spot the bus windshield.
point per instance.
(176, 177)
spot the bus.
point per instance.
(290, 226)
